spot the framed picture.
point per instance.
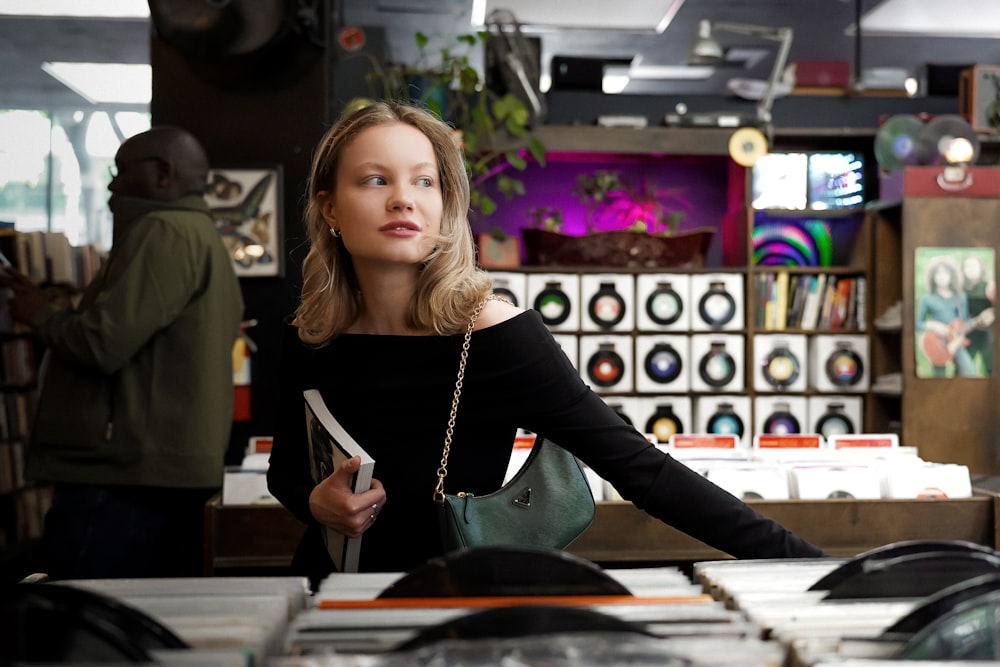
(246, 205)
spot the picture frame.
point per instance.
(246, 204)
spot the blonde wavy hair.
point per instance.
(450, 283)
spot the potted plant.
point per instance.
(494, 129)
(636, 228)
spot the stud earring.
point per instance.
(335, 233)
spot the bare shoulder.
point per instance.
(496, 311)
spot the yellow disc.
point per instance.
(746, 145)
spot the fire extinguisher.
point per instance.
(243, 347)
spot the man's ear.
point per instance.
(166, 173)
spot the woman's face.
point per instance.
(942, 277)
(387, 204)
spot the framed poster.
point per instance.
(246, 205)
(954, 288)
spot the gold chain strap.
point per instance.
(442, 470)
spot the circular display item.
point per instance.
(834, 422)
(664, 424)
(606, 367)
(747, 145)
(781, 367)
(717, 306)
(896, 142)
(947, 139)
(663, 365)
(664, 305)
(717, 367)
(553, 304)
(606, 307)
(506, 294)
(725, 422)
(844, 367)
(781, 422)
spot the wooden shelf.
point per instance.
(265, 536)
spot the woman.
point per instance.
(389, 285)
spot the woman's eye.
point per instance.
(375, 180)
(425, 182)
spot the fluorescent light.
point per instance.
(105, 83)
(933, 18)
(635, 15)
(119, 9)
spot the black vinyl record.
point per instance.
(780, 367)
(844, 367)
(664, 305)
(947, 139)
(896, 142)
(664, 423)
(717, 367)
(606, 307)
(781, 422)
(725, 422)
(663, 364)
(834, 422)
(553, 304)
(717, 306)
(606, 367)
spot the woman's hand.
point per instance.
(333, 503)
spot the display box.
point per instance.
(607, 302)
(664, 416)
(606, 362)
(727, 414)
(780, 415)
(663, 302)
(662, 363)
(556, 296)
(718, 362)
(839, 363)
(834, 415)
(512, 285)
(921, 479)
(751, 481)
(717, 302)
(780, 362)
(835, 481)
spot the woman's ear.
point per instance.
(326, 208)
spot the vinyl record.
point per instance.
(896, 142)
(746, 145)
(947, 139)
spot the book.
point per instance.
(329, 446)
(811, 307)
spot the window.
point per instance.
(54, 170)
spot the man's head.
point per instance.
(163, 163)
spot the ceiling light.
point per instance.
(635, 15)
(105, 83)
(933, 18)
(121, 9)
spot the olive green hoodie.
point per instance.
(136, 386)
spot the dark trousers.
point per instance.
(94, 532)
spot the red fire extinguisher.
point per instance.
(243, 347)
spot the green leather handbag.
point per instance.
(547, 504)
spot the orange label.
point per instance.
(709, 441)
(776, 441)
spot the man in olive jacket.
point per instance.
(136, 387)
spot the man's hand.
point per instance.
(28, 297)
(334, 504)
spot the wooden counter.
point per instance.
(245, 537)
